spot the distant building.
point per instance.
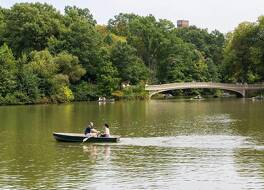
(182, 23)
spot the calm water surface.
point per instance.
(173, 144)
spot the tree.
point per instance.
(209, 44)
(69, 65)
(8, 70)
(107, 75)
(28, 82)
(59, 90)
(109, 38)
(145, 34)
(183, 66)
(76, 13)
(120, 24)
(80, 39)
(85, 91)
(130, 67)
(2, 24)
(179, 61)
(52, 84)
(29, 26)
(242, 56)
(214, 72)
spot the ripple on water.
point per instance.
(217, 118)
(201, 142)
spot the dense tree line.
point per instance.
(47, 56)
(244, 53)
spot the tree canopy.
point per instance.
(48, 56)
(244, 53)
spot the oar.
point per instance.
(85, 139)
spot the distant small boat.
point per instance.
(226, 95)
(168, 96)
(79, 137)
(260, 97)
(198, 97)
(103, 99)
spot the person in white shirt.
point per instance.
(106, 131)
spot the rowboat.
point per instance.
(103, 99)
(198, 97)
(107, 100)
(79, 137)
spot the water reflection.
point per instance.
(95, 151)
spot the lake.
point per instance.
(165, 144)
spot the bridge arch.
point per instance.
(242, 94)
(238, 88)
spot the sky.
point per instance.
(223, 15)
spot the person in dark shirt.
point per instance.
(90, 131)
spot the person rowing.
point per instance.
(90, 131)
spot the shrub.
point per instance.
(135, 92)
(118, 94)
(85, 91)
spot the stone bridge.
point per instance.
(241, 89)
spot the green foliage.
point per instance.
(8, 71)
(180, 62)
(85, 91)
(213, 73)
(209, 44)
(109, 38)
(120, 24)
(42, 64)
(107, 75)
(170, 54)
(30, 25)
(69, 65)
(2, 23)
(135, 92)
(58, 89)
(79, 38)
(243, 54)
(118, 94)
(28, 83)
(53, 84)
(130, 67)
(146, 36)
(63, 94)
(77, 13)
